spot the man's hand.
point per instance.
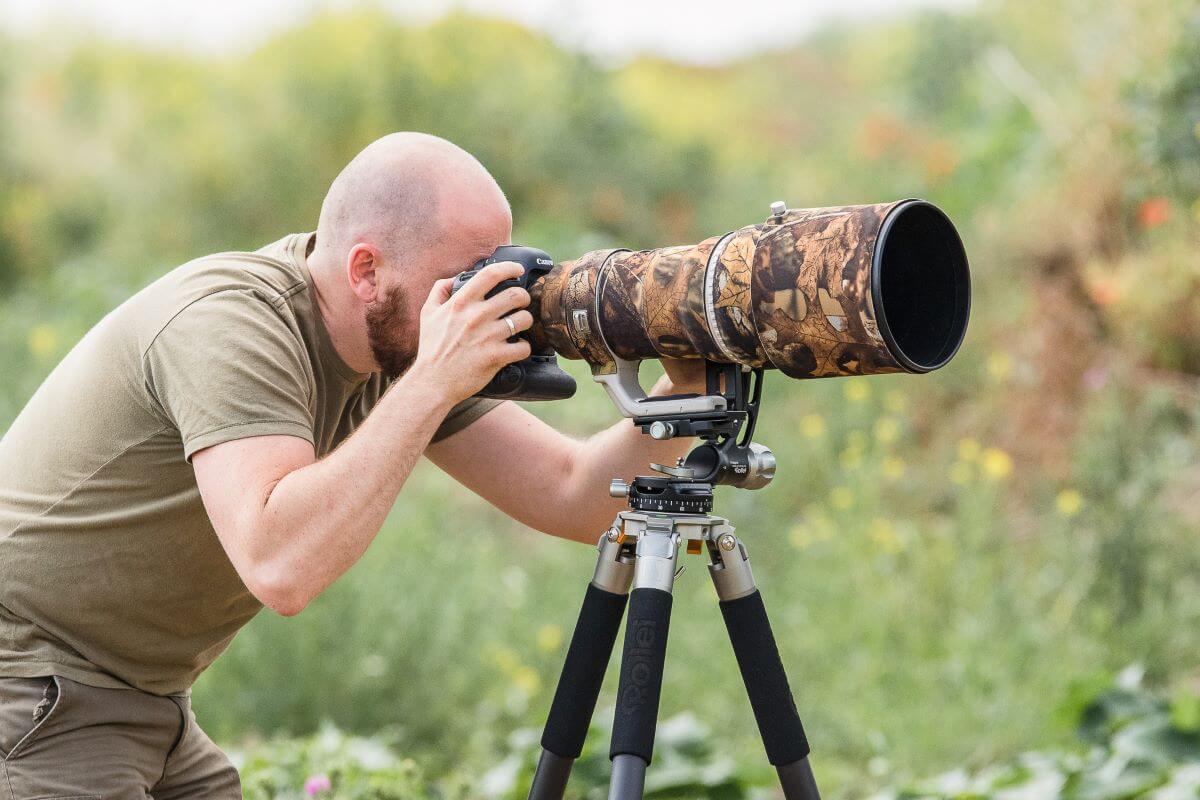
(464, 341)
(683, 375)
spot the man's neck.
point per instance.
(347, 333)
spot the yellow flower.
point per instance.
(893, 467)
(996, 463)
(851, 457)
(800, 536)
(43, 340)
(887, 430)
(841, 497)
(895, 401)
(1069, 502)
(549, 637)
(960, 472)
(857, 391)
(815, 527)
(812, 426)
(506, 659)
(999, 366)
(527, 680)
(883, 533)
(968, 449)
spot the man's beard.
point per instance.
(385, 333)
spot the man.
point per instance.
(233, 436)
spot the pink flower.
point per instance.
(317, 784)
(1096, 378)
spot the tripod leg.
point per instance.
(762, 670)
(642, 662)
(583, 671)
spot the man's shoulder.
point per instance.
(268, 279)
(271, 272)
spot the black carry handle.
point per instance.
(641, 674)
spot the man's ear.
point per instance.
(361, 265)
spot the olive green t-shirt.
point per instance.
(110, 571)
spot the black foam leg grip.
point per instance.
(766, 682)
(641, 674)
(583, 672)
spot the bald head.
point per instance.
(408, 210)
(402, 194)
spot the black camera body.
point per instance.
(537, 377)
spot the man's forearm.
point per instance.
(317, 521)
(619, 451)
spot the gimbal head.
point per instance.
(726, 455)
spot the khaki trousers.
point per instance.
(62, 740)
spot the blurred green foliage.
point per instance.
(1133, 744)
(944, 556)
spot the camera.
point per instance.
(537, 377)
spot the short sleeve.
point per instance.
(228, 367)
(463, 415)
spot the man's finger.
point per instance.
(508, 300)
(440, 292)
(515, 351)
(487, 279)
(522, 320)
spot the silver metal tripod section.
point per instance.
(659, 536)
(704, 527)
(614, 567)
(657, 554)
(730, 568)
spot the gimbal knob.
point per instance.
(661, 430)
(618, 488)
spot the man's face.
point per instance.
(394, 320)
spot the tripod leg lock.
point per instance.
(730, 568)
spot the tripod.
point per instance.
(642, 548)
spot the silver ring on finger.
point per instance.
(512, 328)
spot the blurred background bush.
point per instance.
(956, 563)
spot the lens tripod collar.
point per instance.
(627, 394)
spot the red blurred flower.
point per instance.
(1105, 293)
(1154, 211)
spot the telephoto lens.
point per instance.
(814, 293)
